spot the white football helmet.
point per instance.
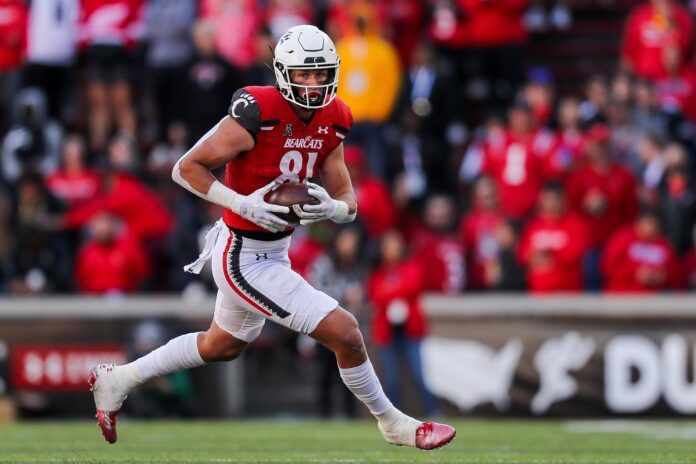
(306, 47)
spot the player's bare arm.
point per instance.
(219, 146)
(224, 143)
(336, 180)
(336, 198)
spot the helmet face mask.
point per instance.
(306, 48)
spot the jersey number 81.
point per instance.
(291, 165)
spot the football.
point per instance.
(294, 195)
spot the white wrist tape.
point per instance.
(341, 212)
(224, 196)
(217, 193)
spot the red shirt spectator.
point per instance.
(566, 154)
(478, 231)
(13, 33)
(405, 18)
(517, 161)
(127, 197)
(74, 183)
(602, 192)
(443, 257)
(538, 93)
(638, 258)
(649, 29)
(479, 235)
(495, 22)
(377, 211)
(448, 26)
(394, 290)
(281, 15)
(303, 252)
(437, 248)
(552, 246)
(676, 91)
(120, 260)
(73, 187)
(236, 23)
(570, 140)
(111, 22)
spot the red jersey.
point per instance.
(111, 22)
(286, 149)
(678, 93)
(563, 242)
(518, 164)
(478, 233)
(627, 256)
(13, 34)
(448, 27)
(74, 188)
(615, 193)
(443, 257)
(648, 31)
(142, 211)
(303, 253)
(496, 23)
(566, 154)
(377, 211)
(123, 265)
(395, 295)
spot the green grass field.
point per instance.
(478, 441)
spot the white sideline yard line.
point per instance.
(655, 430)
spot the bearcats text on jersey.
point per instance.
(307, 142)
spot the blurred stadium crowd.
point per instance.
(473, 172)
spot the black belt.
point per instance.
(259, 235)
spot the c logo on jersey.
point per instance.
(245, 99)
(323, 129)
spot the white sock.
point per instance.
(364, 384)
(397, 427)
(180, 353)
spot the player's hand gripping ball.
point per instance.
(293, 195)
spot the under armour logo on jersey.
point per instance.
(323, 129)
(260, 256)
(288, 130)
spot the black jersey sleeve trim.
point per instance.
(342, 129)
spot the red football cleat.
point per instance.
(107, 423)
(431, 435)
(106, 420)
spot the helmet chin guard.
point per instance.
(306, 48)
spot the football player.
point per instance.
(288, 132)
